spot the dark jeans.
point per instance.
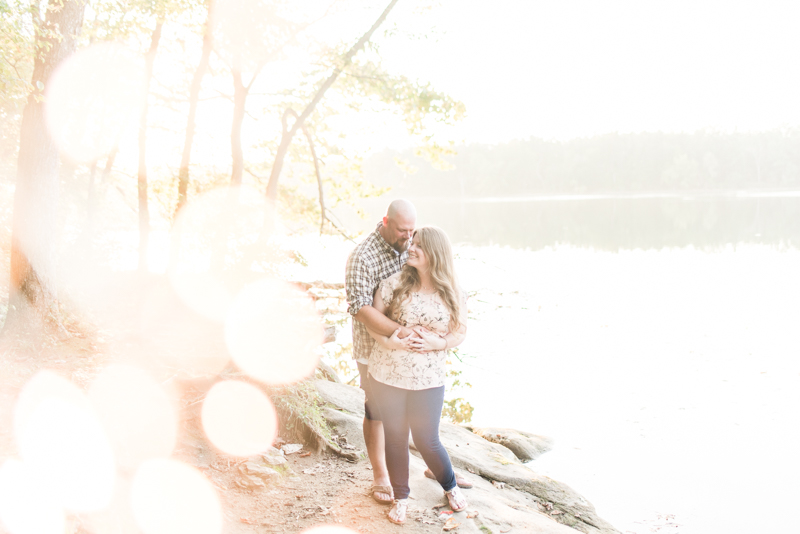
(371, 411)
(420, 411)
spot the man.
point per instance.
(382, 254)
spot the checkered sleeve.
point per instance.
(359, 281)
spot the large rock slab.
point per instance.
(499, 510)
(477, 455)
(524, 445)
(341, 396)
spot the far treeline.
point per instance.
(611, 163)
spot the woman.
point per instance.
(407, 375)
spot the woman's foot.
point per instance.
(397, 514)
(456, 499)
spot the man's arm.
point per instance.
(359, 282)
(379, 323)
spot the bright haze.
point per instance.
(577, 68)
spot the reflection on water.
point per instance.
(612, 222)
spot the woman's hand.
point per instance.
(395, 342)
(427, 340)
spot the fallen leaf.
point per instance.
(451, 524)
(304, 454)
(472, 514)
(556, 512)
(436, 507)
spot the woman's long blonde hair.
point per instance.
(436, 246)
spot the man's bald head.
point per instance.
(398, 224)
(401, 208)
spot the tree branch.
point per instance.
(286, 138)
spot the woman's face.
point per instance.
(416, 256)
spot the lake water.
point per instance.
(656, 340)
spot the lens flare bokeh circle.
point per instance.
(91, 97)
(170, 497)
(239, 419)
(61, 440)
(213, 236)
(137, 414)
(24, 507)
(273, 332)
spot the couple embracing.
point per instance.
(407, 310)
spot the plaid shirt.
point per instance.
(369, 264)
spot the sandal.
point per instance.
(375, 489)
(400, 506)
(461, 481)
(457, 501)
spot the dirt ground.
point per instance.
(322, 490)
(314, 489)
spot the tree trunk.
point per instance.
(33, 238)
(194, 95)
(144, 211)
(288, 133)
(317, 172)
(239, 101)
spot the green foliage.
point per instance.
(456, 409)
(17, 37)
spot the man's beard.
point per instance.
(401, 246)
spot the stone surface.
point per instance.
(507, 510)
(524, 445)
(495, 462)
(254, 475)
(341, 396)
(348, 429)
(328, 372)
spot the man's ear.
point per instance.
(385, 220)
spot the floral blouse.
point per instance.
(407, 369)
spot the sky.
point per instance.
(576, 68)
(526, 68)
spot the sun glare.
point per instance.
(24, 507)
(213, 230)
(329, 529)
(60, 439)
(272, 332)
(239, 419)
(90, 98)
(136, 412)
(170, 497)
